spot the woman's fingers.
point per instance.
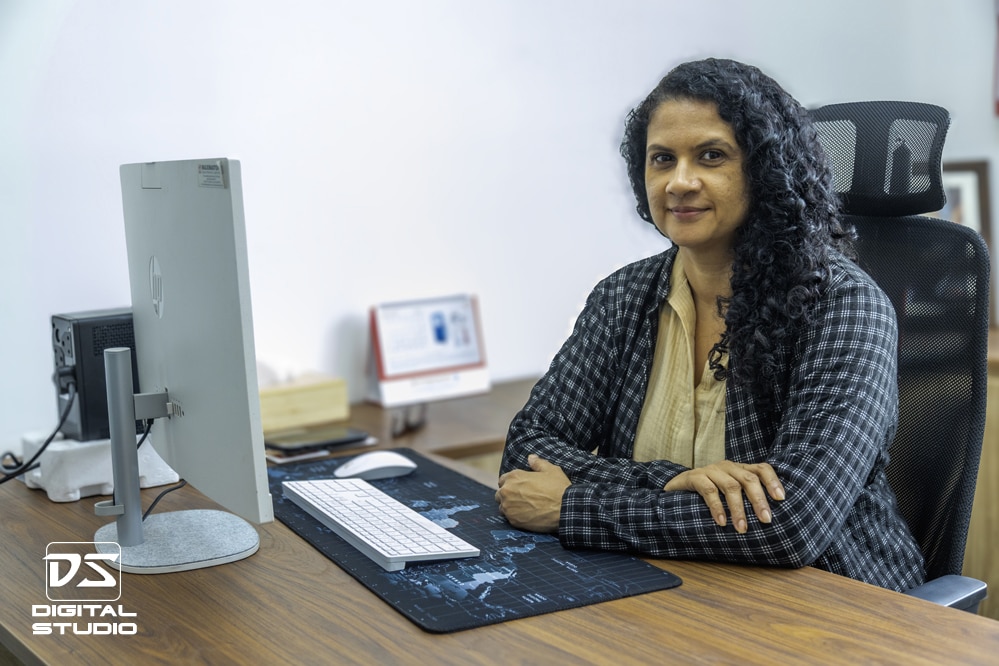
(733, 482)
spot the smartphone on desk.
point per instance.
(295, 442)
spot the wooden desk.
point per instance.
(290, 604)
(472, 428)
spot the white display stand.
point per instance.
(69, 470)
(427, 350)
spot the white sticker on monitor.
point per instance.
(211, 175)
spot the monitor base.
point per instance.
(181, 541)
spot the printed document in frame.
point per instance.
(430, 349)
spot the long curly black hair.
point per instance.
(793, 230)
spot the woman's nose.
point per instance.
(684, 179)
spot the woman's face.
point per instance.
(698, 194)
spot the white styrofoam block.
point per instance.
(70, 469)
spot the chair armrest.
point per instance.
(953, 591)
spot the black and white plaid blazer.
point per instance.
(827, 439)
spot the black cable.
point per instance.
(19, 468)
(160, 496)
(13, 473)
(145, 433)
(11, 466)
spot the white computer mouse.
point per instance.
(375, 465)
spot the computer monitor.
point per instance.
(187, 264)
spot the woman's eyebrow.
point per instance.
(709, 143)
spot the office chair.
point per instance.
(886, 162)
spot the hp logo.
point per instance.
(156, 286)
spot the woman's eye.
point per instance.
(713, 155)
(660, 158)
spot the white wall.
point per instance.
(398, 149)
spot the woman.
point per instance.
(732, 398)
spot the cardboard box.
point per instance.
(307, 401)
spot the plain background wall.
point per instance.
(398, 149)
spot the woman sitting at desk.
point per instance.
(750, 359)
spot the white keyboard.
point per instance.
(382, 528)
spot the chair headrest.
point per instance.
(885, 156)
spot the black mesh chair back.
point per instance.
(886, 161)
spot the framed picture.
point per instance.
(967, 188)
(424, 350)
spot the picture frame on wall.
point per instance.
(966, 185)
(967, 188)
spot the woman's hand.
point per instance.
(731, 480)
(532, 500)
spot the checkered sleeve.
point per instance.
(591, 397)
(828, 443)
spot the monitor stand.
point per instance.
(163, 542)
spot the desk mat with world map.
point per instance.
(518, 574)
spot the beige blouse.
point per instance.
(679, 422)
